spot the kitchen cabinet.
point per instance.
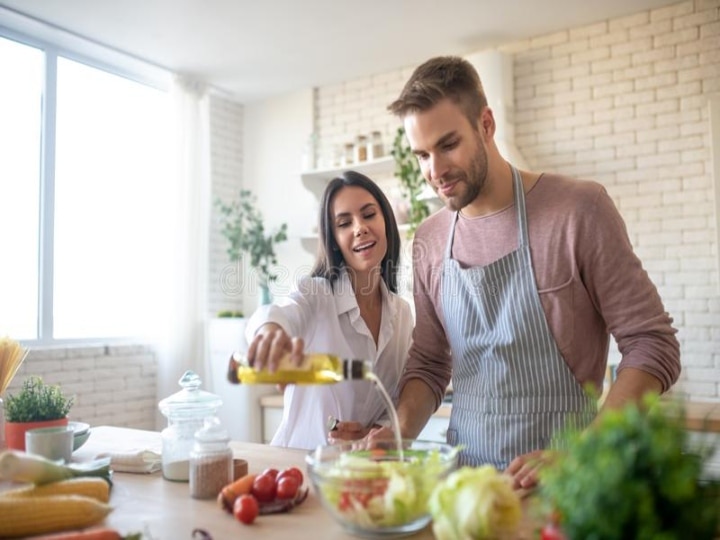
(271, 418)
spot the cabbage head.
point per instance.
(474, 504)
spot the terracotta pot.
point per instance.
(15, 431)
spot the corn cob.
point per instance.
(27, 516)
(21, 467)
(96, 488)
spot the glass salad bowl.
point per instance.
(381, 490)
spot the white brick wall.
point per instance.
(623, 102)
(649, 144)
(112, 385)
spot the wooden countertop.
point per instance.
(700, 415)
(164, 510)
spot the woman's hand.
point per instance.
(270, 344)
(347, 431)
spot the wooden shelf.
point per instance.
(316, 180)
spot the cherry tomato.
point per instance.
(246, 509)
(287, 487)
(551, 532)
(264, 488)
(292, 471)
(271, 472)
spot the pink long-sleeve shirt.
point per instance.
(590, 282)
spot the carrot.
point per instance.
(89, 534)
(228, 494)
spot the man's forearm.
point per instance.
(631, 384)
(416, 405)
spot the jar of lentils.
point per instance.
(211, 460)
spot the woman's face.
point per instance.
(359, 228)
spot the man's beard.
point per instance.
(473, 180)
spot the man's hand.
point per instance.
(524, 469)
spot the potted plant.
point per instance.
(412, 183)
(36, 405)
(242, 225)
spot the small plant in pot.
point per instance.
(242, 224)
(36, 405)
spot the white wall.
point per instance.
(276, 131)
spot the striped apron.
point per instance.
(512, 390)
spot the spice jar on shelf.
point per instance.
(375, 148)
(211, 460)
(348, 155)
(361, 149)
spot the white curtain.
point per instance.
(181, 345)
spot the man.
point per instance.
(518, 284)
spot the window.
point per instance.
(20, 139)
(84, 179)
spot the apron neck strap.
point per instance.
(519, 198)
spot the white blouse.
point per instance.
(329, 322)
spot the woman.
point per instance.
(348, 307)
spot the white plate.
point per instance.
(79, 427)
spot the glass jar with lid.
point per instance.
(211, 460)
(186, 411)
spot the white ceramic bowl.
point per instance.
(371, 492)
(82, 433)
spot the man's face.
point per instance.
(450, 152)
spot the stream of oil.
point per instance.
(394, 420)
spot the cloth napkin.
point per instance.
(140, 461)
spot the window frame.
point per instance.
(55, 42)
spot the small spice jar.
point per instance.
(361, 149)
(211, 461)
(349, 155)
(375, 146)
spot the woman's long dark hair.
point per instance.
(329, 259)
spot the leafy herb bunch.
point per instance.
(411, 179)
(242, 225)
(632, 475)
(37, 402)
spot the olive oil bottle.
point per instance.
(315, 369)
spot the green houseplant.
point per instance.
(37, 404)
(411, 179)
(242, 225)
